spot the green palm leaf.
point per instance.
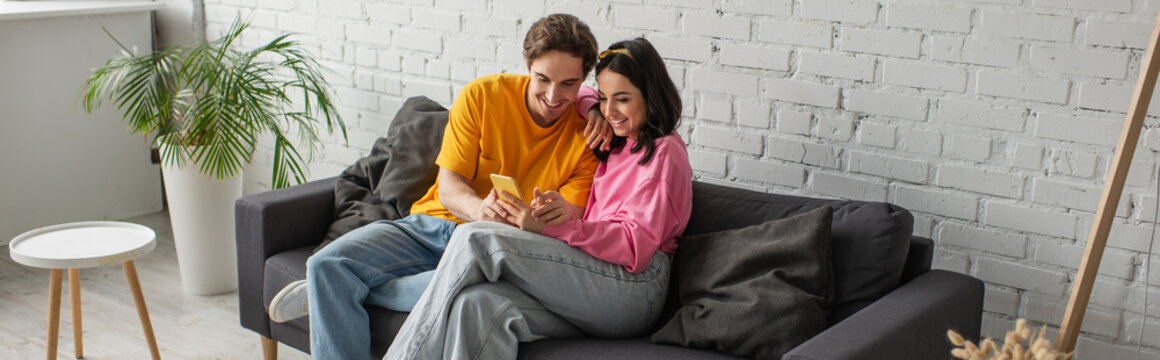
(211, 102)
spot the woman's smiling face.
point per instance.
(622, 104)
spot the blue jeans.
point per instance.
(357, 269)
(498, 286)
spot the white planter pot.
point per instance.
(201, 211)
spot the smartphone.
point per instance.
(506, 183)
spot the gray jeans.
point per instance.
(497, 286)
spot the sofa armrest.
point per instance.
(909, 323)
(272, 222)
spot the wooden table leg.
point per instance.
(74, 293)
(142, 312)
(54, 280)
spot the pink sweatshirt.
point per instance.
(634, 210)
(586, 99)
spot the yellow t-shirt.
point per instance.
(489, 130)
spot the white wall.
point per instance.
(60, 164)
(992, 120)
(180, 22)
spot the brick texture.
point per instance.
(993, 121)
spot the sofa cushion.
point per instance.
(398, 171)
(635, 349)
(757, 291)
(869, 239)
(288, 266)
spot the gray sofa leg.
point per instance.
(269, 348)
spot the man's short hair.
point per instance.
(561, 32)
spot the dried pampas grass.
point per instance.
(1013, 348)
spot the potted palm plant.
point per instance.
(206, 107)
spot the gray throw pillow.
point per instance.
(398, 171)
(757, 291)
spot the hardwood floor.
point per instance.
(186, 326)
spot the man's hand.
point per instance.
(598, 131)
(492, 209)
(551, 208)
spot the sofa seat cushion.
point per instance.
(289, 266)
(635, 349)
(282, 269)
(870, 240)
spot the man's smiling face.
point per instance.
(555, 83)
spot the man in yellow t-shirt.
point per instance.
(523, 126)
(492, 131)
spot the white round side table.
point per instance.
(79, 245)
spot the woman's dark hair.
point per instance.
(643, 66)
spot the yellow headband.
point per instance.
(605, 53)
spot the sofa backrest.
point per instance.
(870, 240)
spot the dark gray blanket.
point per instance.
(399, 170)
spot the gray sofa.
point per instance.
(889, 304)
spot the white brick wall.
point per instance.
(835, 127)
(880, 103)
(802, 92)
(753, 114)
(1118, 34)
(940, 18)
(1122, 6)
(878, 135)
(1073, 163)
(792, 122)
(797, 33)
(769, 172)
(639, 17)
(1079, 62)
(1037, 221)
(1023, 87)
(998, 300)
(992, 120)
(1114, 263)
(1078, 129)
(727, 139)
(981, 115)
(847, 187)
(888, 166)
(846, 11)
(937, 202)
(1021, 276)
(837, 66)
(1027, 156)
(922, 142)
(888, 43)
(755, 57)
(676, 48)
(718, 81)
(971, 148)
(979, 180)
(715, 107)
(1027, 26)
(713, 25)
(993, 241)
(974, 51)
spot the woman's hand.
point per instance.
(551, 208)
(598, 131)
(520, 214)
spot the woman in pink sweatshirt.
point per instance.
(604, 273)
